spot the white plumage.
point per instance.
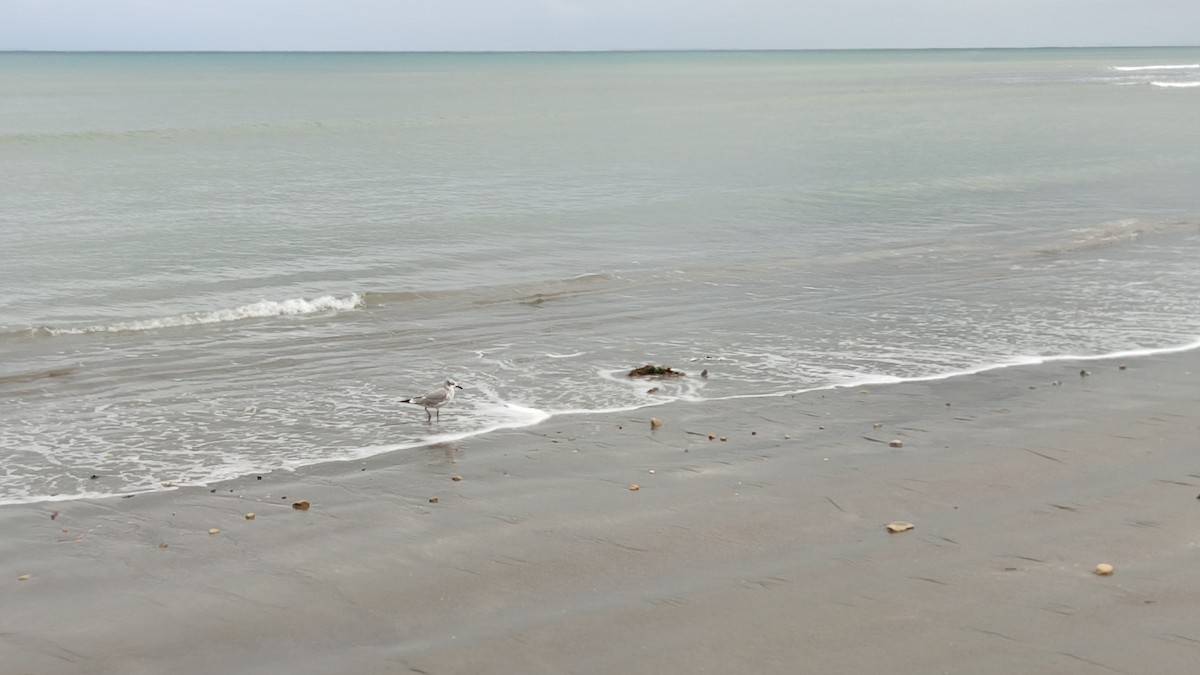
(434, 399)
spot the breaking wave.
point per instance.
(1187, 66)
(260, 309)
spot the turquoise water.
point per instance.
(218, 264)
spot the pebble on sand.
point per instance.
(25, 577)
(53, 515)
(301, 505)
(899, 526)
(213, 530)
(163, 545)
(877, 425)
(433, 500)
(896, 443)
(655, 423)
(1104, 570)
(455, 478)
(249, 516)
(1084, 373)
(634, 487)
(1122, 366)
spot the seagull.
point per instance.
(435, 398)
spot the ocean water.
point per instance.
(213, 265)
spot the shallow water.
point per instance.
(220, 264)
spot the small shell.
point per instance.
(25, 577)
(213, 530)
(634, 487)
(249, 516)
(896, 443)
(655, 423)
(163, 545)
(455, 478)
(899, 526)
(1104, 569)
(877, 425)
(433, 500)
(301, 505)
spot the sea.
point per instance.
(214, 265)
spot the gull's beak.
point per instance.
(458, 386)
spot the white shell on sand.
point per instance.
(655, 423)
(899, 526)
(213, 530)
(896, 444)
(1104, 569)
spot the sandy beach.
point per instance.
(759, 550)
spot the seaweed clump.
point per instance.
(655, 371)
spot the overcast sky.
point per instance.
(453, 25)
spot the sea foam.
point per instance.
(260, 309)
(1184, 66)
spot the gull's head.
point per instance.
(451, 384)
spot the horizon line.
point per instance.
(579, 51)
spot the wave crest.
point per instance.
(1183, 66)
(256, 310)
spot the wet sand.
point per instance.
(764, 552)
